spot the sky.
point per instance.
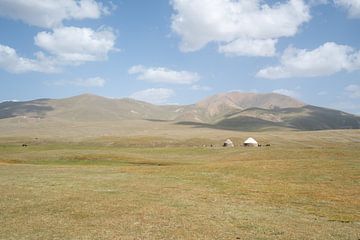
(181, 51)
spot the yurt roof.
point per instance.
(228, 141)
(250, 140)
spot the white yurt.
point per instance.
(228, 143)
(250, 142)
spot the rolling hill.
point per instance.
(232, 111)
(302, 118)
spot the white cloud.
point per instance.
(250, 47)
(66, 46)
(200, 88)
(76, 45)
(154, 95)
(12, 62)
(235, 23)
(317, 2)
(287, 92)
(164, 75)
(353, 90)
(322, 61)
(352, 6)
(51, 13)
(82, 82)
(322, 93)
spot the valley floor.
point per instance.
(306, 185)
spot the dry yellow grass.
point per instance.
(159, 187)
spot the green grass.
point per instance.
(162, 188)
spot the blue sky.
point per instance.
(180, 51)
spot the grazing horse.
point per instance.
(24, 145)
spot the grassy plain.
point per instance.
(306, 185)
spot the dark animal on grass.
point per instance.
(267, 145)
(24, 145)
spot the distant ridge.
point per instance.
(247, 100)
(233, 110)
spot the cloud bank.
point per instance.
(12, 62)
(236, 24)
(154, 95)
(51, 13)
(325, 60)
(287, 92)
(82, 82)
(352, 6)
(163, 75)
(77, 45)
(60, 46)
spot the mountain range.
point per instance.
(233, 111)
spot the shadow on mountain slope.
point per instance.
(319, 118)
(307, 118)
(29, 109)
(240, 123)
